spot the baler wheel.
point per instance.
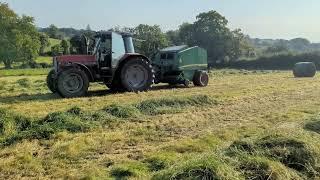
(201, 78)
(51, 81)
(72, 83)
(137, 75)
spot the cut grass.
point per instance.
(73, 120)
(15, 128)
(159, 106)
(293, 153)
(168, 140)
(205, 166)
(165, 105)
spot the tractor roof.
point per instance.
(174, 48)
(109, 33)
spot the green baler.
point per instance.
(181, 65)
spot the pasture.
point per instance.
(244, 125)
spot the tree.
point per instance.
(53, 31)
(151, 39)
(88, 28)
(44, 42)
(19, 38)
(56, 50)
(276, 49)
(173, 37)
(210, 31)
(65, 46)
(299, 44)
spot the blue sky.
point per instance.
(258, 18)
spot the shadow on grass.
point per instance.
(50, 96)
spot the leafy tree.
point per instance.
(151, 39)
(88, 28)
(44, 42)
(173, 37)
(210, 31)
(299, 44)
(53, 31)
(56, 50)
(19, 38)
(65, 46)
(276, 49)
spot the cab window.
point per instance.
(167, 56)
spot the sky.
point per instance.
(285, 19)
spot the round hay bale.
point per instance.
(304, 69)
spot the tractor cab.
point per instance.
(110, 47)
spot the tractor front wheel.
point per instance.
(51, 81)
(137, 75)
(201, 78)
(72, 83)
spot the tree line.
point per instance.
(22, 41)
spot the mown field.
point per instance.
(244, 125)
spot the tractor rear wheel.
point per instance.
(72, 83)
(137, 75)
(51, 81)
(201, 78)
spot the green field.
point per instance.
(53, 42)
(244, 125)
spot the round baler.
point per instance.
(181, 65)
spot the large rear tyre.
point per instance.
(137, 75)
(51, 81)
(201, 78)
(72, 83)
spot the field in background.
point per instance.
(24, 72)
(53, 42)
(245, 124)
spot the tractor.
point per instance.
(112, 61)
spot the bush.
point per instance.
(45, 65)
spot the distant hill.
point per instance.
(64, 33)
(301, 45)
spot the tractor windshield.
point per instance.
(96, 47)
(118, 48)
